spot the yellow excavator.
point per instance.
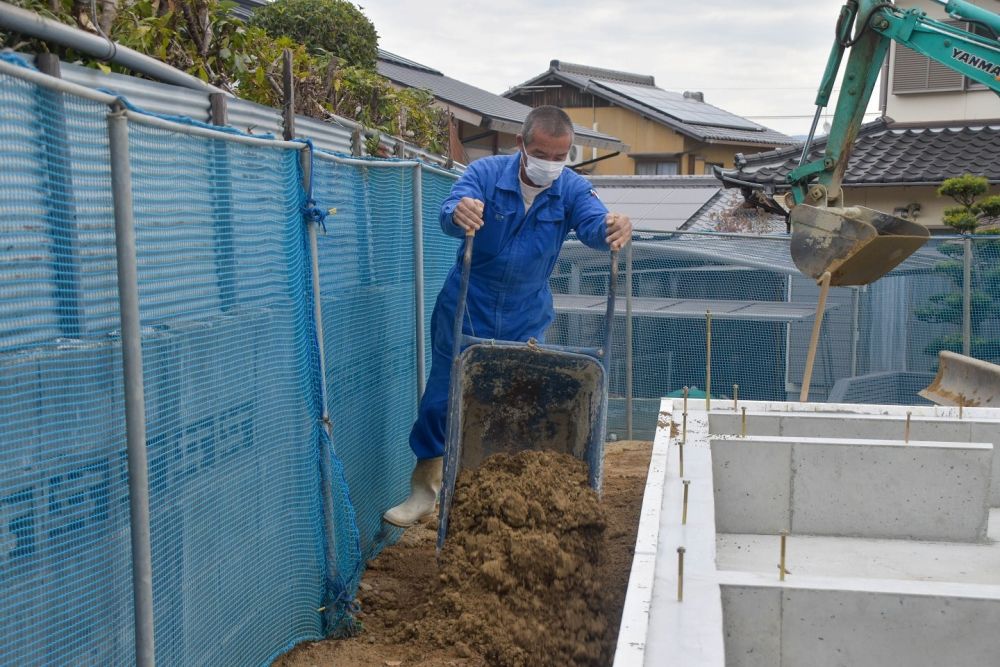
(838, 244)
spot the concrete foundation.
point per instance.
(926, 423)
(898, 566)
(852, 488)
(858, 622)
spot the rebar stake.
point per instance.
(708, 360)
(736, 397)
(961, 406)
(743, 424)
(680, 450)
(781, 565)
(906, 431)
(684, 513)
(684, 418)
(680, 573)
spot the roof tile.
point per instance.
(887, 153)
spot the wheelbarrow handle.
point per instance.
(463, 292)
(609, 316)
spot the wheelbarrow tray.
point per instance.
(507, 397)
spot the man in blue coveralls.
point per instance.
(521, 207)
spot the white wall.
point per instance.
(955, 106)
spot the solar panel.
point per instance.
(656, 209)
(677, 106)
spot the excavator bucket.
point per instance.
(857, 245)
(964, 381)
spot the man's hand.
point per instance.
(619, 230)
(468, 214)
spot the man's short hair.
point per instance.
(551, 120)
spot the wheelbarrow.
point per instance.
(506, 397)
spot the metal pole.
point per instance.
(967, 297)
(135, 400)
(708, 361)
(628, 341)
(15, 19)
(288, 97)
(855, 331)
(418, 273)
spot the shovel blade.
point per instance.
(857, 245)
(965, 381)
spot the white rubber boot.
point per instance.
(425, 483)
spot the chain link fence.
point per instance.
(879, 342)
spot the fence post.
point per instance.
(325, 465)
(628, 340)
(855, 329)
(418, 272)
(135, 400)
(967, 296)
(61, 202)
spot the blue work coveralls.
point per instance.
(512, 258)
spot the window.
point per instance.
(982, 31)
(914, 73)
(656, 168)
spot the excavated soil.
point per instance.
(534, 572)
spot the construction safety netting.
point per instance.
(260, 523)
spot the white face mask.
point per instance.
(542, 172)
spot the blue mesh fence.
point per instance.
(232, 422)
(65, 573)
(251, 552)
(440, 251)
(367, 286)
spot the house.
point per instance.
(934, 124)
(244, 8)
(482, 123)
(668, 133)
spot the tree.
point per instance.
(333, 27)
(203, 38)
(978, 218)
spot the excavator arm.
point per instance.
(843, 245)
(858, 245)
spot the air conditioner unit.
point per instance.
(577, 154)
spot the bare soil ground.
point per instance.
(401, 627)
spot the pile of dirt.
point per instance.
(402, 587)
(520, 579)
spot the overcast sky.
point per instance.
(757, 58)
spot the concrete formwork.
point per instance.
(858, 622)
(927, 423)
(852, 488)
(856, 600)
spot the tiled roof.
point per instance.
(888, 154)
(595, 80)
(504, 114)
